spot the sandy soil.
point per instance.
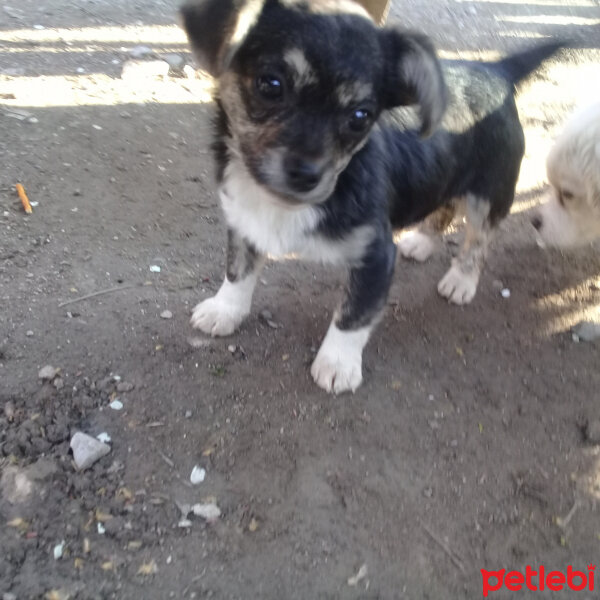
(473, 443)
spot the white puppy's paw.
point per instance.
(416, 245)
(458, 287)
(338, 365)
(337, 374)
(217, 317)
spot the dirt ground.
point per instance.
(472, 444)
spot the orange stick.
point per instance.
(24, 198)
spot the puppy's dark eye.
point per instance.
(567, 195)
(360, 119)
(269, 87)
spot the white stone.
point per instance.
(198, 475)
(58, 550)
(210, 512)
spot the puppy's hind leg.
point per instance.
(420, 243)
(459, 284)
(223, 313)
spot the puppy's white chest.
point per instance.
(260, 217)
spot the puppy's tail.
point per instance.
(518, 66)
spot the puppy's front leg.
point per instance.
(224, 312)
(337, 367)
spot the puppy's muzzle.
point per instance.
(302, 175)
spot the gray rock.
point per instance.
(176, 63)
(166, 314)
(10, 410)
(47, 373)
(140, 52)
(592, 432)
(87, 450)
(124, 386)
(18, 485)
(586, 331)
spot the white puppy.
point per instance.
(570, 216)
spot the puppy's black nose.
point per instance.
(302, 175)
(536, 221)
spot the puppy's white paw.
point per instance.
(338, 365)
(223, 313)
(337, 374)
(216, 317)
(457, 286)
(416, 245)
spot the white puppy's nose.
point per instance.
(536, 221)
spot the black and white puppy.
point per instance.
(314, 159)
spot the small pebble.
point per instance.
(140, 52)
(58, 550)
(231, 349)
(166, 314)
(104, 437)
(9, 410)
(116, 404)
(198, 475)
(505, 293)
(29, 333)
(592, 432)
(101, 529)
(87, 450)
(210, 512)
(176, 63)
(124, 386)
(586, 331)
(184, 523)
(188, 414)
(47, 373)
(154, 269)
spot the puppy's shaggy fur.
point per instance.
(314, 157)
(570, 216)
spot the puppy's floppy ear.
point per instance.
(216, 28)
(414, 76)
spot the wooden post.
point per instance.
(378, 9)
